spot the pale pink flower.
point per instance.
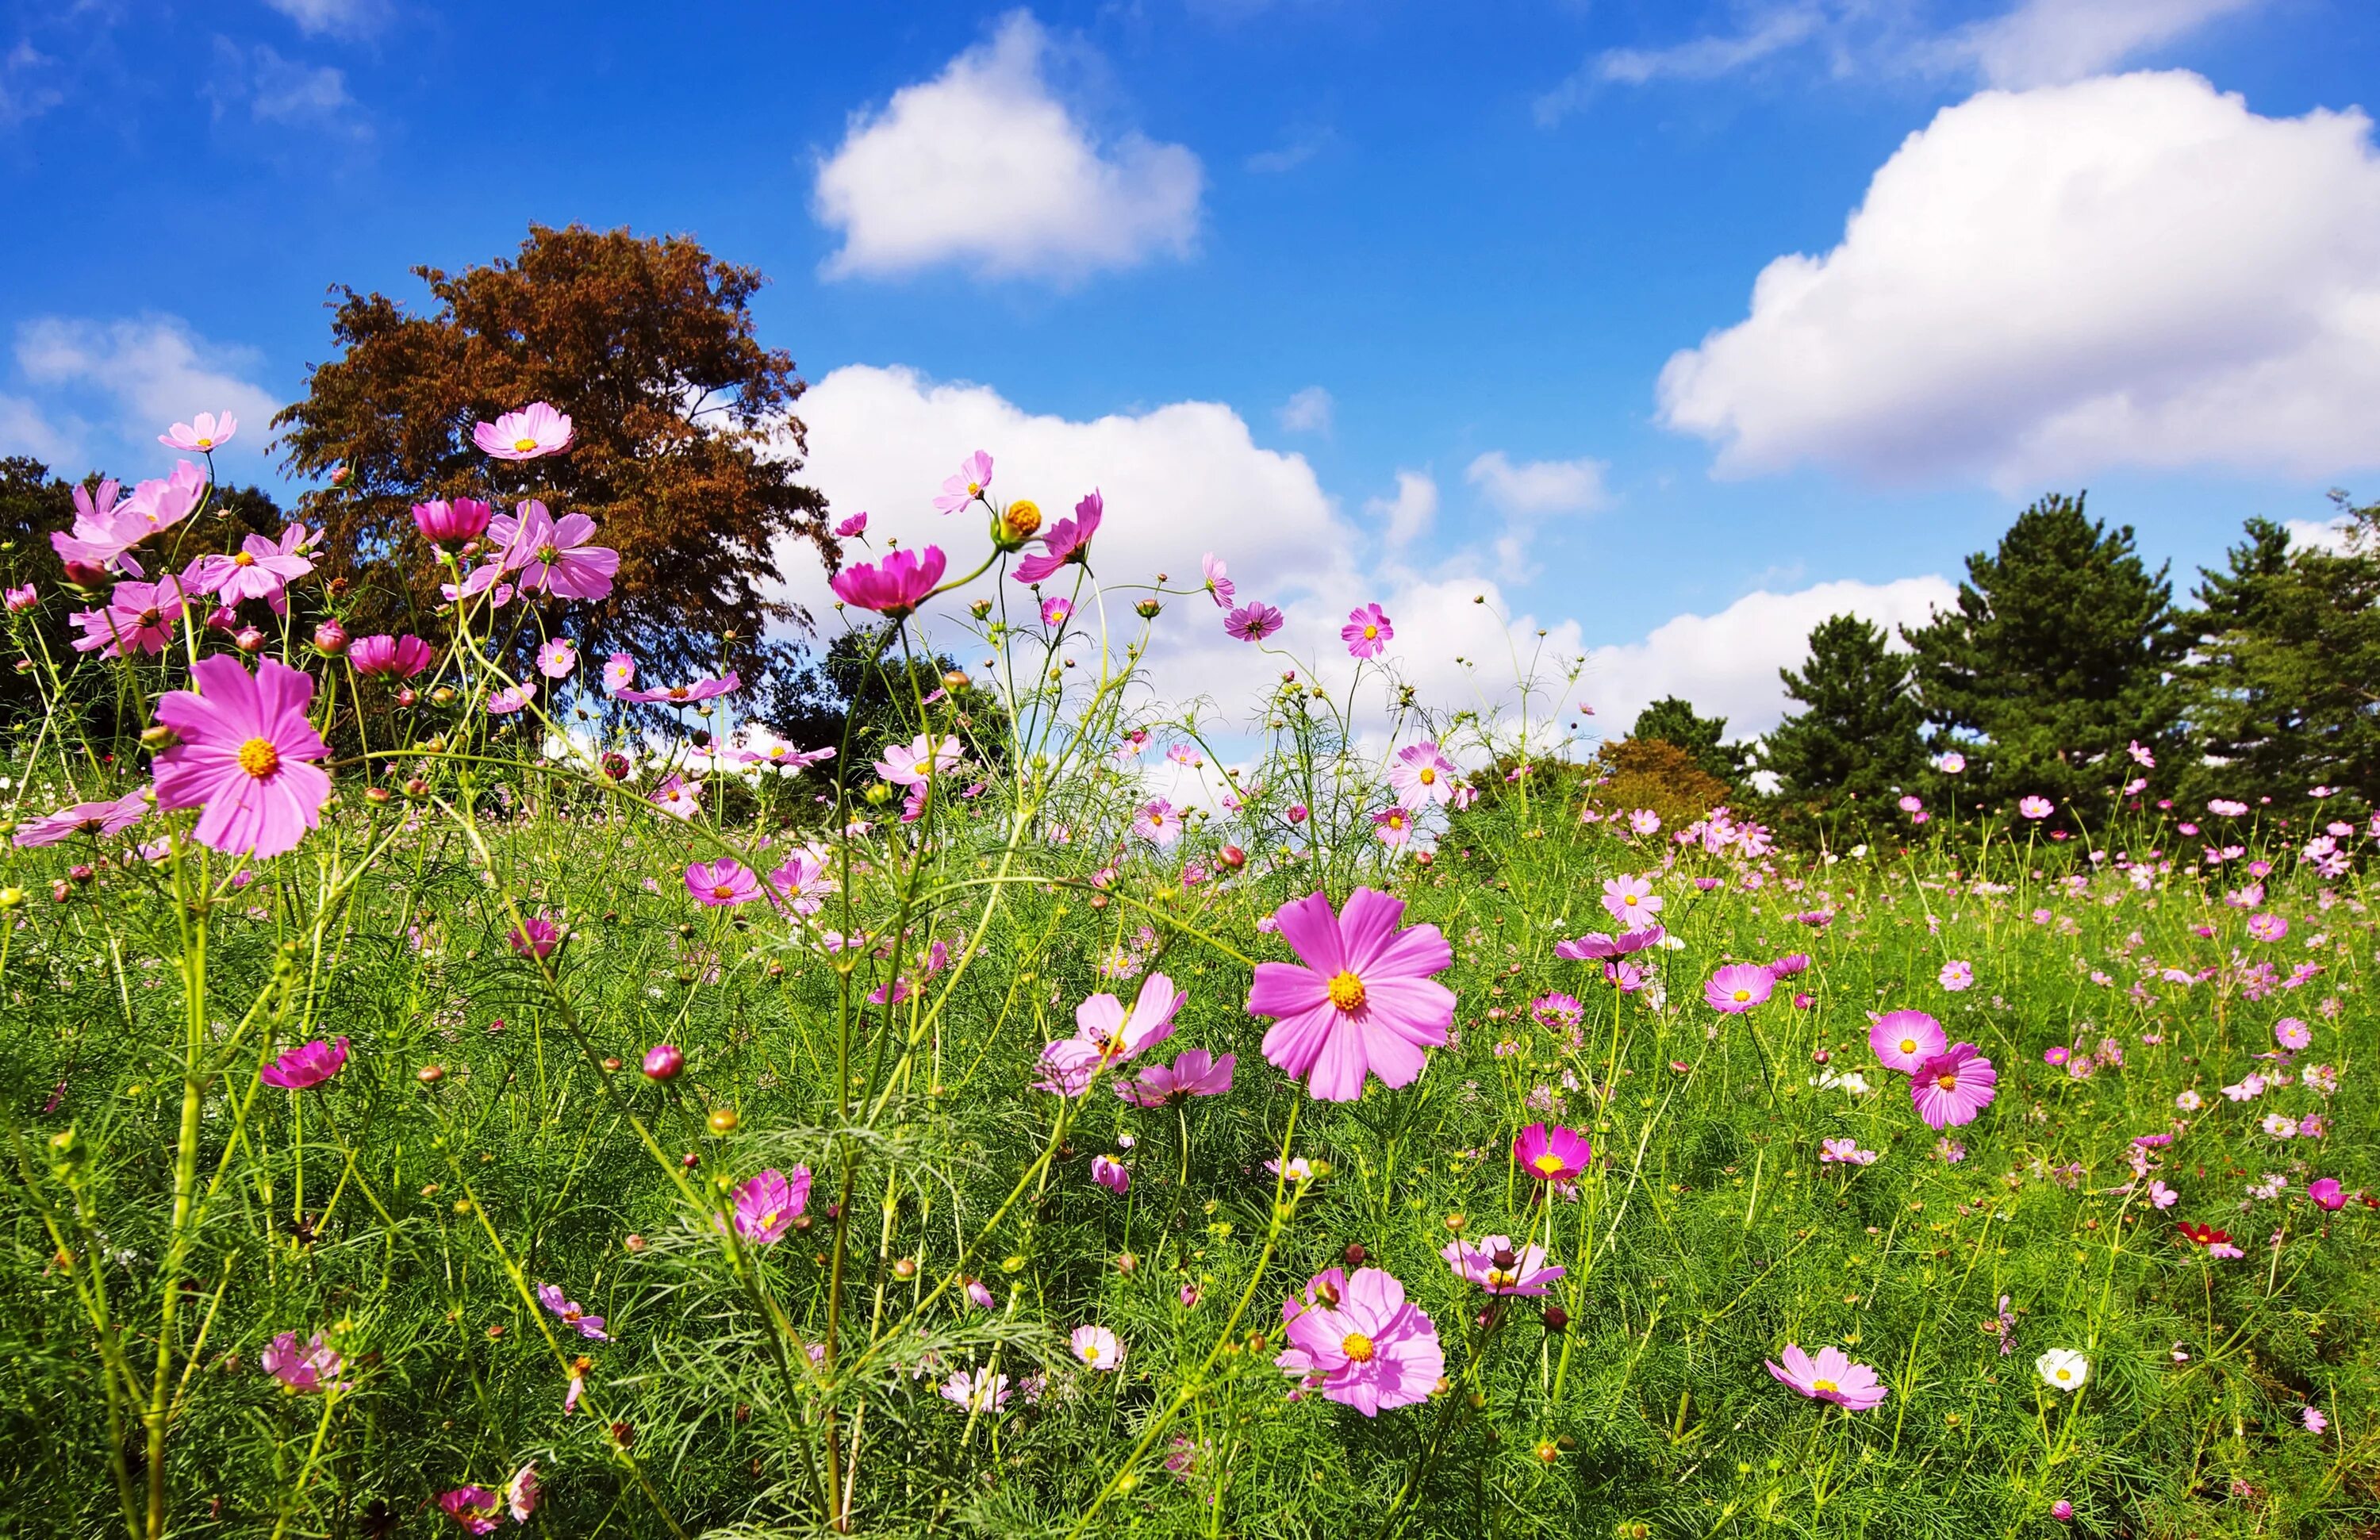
(1499, 1267)
(1098, 1348)
(1218, 587)
(974, 475)
(1830, 1376)
(204, 434)
(1904, 1039)
(557, 659)
(1368, 632)
(1423, 776)
(535, 431)
(1370, 1349)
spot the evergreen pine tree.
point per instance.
(2057, 655)
(1672, 720)
(1854, 745)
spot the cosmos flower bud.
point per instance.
(1556, 1318)
(1232, 856)
(1355, 1254)
(330, 638)
(663, 1062)
(723, 1119)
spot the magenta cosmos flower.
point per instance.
(162, 502)
(260, 569)
(536, 430)
(1369, 1348)
(445, 522)
(95, 819)
(716, 884)
(1359, 1000)
(474, 1508)
(558, 659)
(1219, 586)
(1499, 1267)
(310, 1065)
(103, 532)
(1423, 777)
(685, 695)
(1105, 1034)
(139, 617)
(1830, 1376)
(767, 1205)
(590, 1327)
(1953, 1086)
(242, 755)
(1368, 632)
(203, 434)
(1252, 622)
(1195, 1073)
(1596, 947)
(1552, 1154)
(1905, 1039)
(1069, 540)
(314, 1366)
(554, 555)
(1158, 822)
(2263, 928)
(974, 475)
(1632, 901)
(1110, 1173)
(386, 656)
(1738, 986)
(1392, 826)
(537, 936)
(2326, 1192)
(895, 588)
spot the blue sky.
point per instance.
(2126, 244)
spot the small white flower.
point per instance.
(2063, 1369)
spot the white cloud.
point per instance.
(288, 91)
(984, 166)
(345, 19)
(27, 91)
(1727, 664)
(2051, 41)
(2321, 534)
(1308, 411)
(2129, 271)
(1764, 35)
(1410, 513)
(25, 429)
(1535, 488)
(1292, 155)
(154, 371)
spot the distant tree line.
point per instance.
(2064, 664)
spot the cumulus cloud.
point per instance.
(2051, 41)
(985, 168)
(2129, 271)
(1535, 488)
(1726, 664)
(25, 429)
(2322, 534)
(1308, 411)
(1410, 513)
(151, 371)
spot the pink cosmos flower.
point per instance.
(474, 1508)
(521, 1493)
(803, 880)
(95, 819)
(1956, 975)
(307, 1066)
(557, 659)
(1423, 777)
(1106, 1035)
(386, 656)
(553, 556)
(895, 588)
(919, 760)
(1069, 540)
(1056, 611)
(2326, 1192)
(619, 672)
(590, 1327)
(1631, 900)
(1953, 1086)
(721, 883)
(1110, 1173)
(2313, 1421)
(1195, 1073)
(261, 569)
(1218, 587)
(1552, 1154)
(767, 1205)
(314, 1367)
(1098, 1348)
(2161, 1195)
(2227, 808)
(1371, 1350)
(1157, 823)
(139, 617)
(445, 522)
(1644, 821)
(1252, 622)
(103, 532)
(1392, 826)
(1359, 1000)
(1905, 1039)
(1738, 986)
(980, 1391)
(1499, 1267)
(2035, 807)
(2267, 927)
(536, 430)
(685, 695)
(203, 434)
(242, 755)
(511, 698)
(974, 475)
(2062, 1510)
(1596, 947)
(537, 936)
(1831, 1376)
(677, 796)
(19, 600)
(1846, 1152)
(1368, 632)
(786, 757)
(162, 503)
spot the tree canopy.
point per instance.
(1672, 720)
(1854, 745)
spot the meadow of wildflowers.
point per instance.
(454, 1083)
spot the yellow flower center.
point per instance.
(1499, 1279)
(1742, 996)
(1630, 899)
(1909, 1045)
(1428, 777)
(722, 893)
(1357, 1347)
(1548, 1164)
(677, 692)
(1346, 992)
(1090, 1350)
(524, 445)
(1947, 1080)
(243, 560)
(206, 443)
(975, 489)
(259, 757)
(2066, 1374)
(1824, 1385)
(1372, 632)
(769, 1219)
